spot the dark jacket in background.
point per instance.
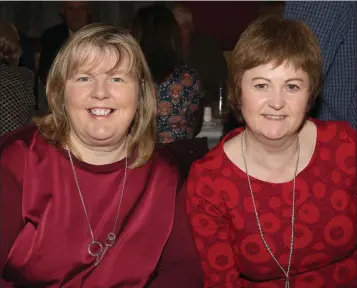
(27, 58)
(51, 40)
(206, 57)
(18, 89)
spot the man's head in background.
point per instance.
(10, 48)
(184, 18)
(76, 14)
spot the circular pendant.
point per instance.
(95, 248)
(110, 240)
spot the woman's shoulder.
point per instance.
(184, 69)
(163, 160)
(211, 163)
(16, 73)
(22, 137)
(185, 75)
(165, 167)
(335, 132)
(214, 161)
(336, 146)
(15, 146)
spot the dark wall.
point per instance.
(223, 20)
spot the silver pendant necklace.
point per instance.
(95, 248)
(286, 272)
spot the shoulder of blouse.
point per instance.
(214, 159)
(24, 135)
(181, 70)
(349, 130)
(340, 131)
(164, 161)
(210, 164)
(177, 75)
(14, 146)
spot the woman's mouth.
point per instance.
(274, 117)
(101, 111)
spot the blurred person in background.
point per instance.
(334, 24)
(27, 58)
(179, 105)
(202, 53)
(18, 85)
(75, 15)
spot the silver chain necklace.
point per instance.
(286, 272)
(95, 248)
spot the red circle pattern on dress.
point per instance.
(220, 256)
(253, 249)
(345, 272)
(232, 251)
(339, 231)
(309, 213)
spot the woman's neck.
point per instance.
(98, 155)
(271, 154)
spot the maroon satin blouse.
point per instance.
(44, 233)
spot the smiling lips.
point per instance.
(274, 117)
(101, 111)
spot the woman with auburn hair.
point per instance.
(86, 199)
(274, 204)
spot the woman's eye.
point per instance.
(260, 86)
(82, 79)
(293, 87)
(116, 79)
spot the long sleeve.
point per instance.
(11, 169)
(211, 233)
(179, 265)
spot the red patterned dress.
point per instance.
(225, 229)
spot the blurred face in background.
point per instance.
(184, 19)
(10, 48)
(186, 30)
(76, 14)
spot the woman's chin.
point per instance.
(274, 135)
(103, 138)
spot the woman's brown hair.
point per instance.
(274, 39)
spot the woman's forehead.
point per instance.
(106, 60)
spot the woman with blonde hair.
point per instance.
(86, 199)
(274, 204)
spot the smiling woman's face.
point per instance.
(274, 100)
(101, 106)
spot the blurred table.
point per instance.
(213, 131)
